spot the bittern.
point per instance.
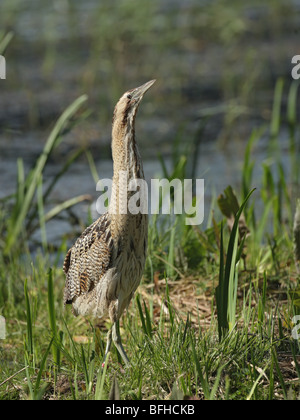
(105, 265)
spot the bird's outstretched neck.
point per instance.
(127, 161)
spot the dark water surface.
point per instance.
(52, 60)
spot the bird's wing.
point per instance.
(88, 259)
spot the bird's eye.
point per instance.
(129, 96)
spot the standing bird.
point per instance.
(105, 265)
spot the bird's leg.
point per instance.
(118, 343)
(108, 345)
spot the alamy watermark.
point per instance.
(2, 328)
(177, 196)
(296, 329)
(296, 68)
(2, 67)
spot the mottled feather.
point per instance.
(88, 259)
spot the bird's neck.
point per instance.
(127, 166)
(125, 152)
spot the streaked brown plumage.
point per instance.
(105, 265)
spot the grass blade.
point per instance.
(29, 323)
(226, 276)
(144, 327)
(99, 394)
(40, 205)
(214, 389)
(38, 392)
(203, 381)
(281, 380)
(296, 231)
(52, 320)
(5, 41)
(65, 205)
(171, 256)
(262, 373)
(21, 209)
(221, 293)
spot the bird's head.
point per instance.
(127, 106)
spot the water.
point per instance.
(218, 167)
(191, 84)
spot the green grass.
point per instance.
(213, 316)
(166, 351)
(241, 349)
(25, 208)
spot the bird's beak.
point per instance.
(139, 92)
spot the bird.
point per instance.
(104, 267)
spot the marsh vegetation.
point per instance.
(214, 315)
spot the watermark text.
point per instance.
(296, 68)
(2, 67)
(296, 329)
(176, 196)
(2, 328)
